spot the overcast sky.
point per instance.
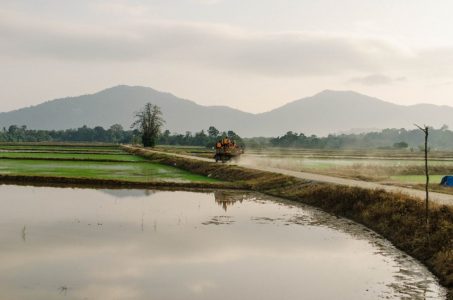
(254, 55)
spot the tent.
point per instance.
(447, 181)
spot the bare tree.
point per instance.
(425, 130)
(149, 121)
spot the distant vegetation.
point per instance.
(202, 138)
(386, 139)
(115, 134)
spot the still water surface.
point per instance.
(60, 243)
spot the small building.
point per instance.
(447, 181)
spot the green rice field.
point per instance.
(87, 162)
(418, 179)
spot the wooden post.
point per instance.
(425, 130)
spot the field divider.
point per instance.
(60, 151)
(34, 180)
(71, 159)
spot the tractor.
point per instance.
(228, 152)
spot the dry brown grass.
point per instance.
(379, 172)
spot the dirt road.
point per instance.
(435, 197)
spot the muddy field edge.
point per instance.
(59, 181)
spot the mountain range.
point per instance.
(321, 114)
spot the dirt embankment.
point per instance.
(398, 217)
(110, 183)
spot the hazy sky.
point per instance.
(253, 55)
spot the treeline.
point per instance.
(202, 138)
(386, 139)
(114, 134)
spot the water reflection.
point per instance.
(407, 271)
(125, 193)
(24, 234)
(88, 244)
(229, 198)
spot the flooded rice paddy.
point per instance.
(124, 171)
(61, 243)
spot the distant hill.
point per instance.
(117, 105)
(323, 113)
(339, 111)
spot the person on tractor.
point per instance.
(225, 143)
(218, 146)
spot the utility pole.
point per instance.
(425, 130)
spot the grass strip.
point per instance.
(397, 217)
(59, 144)
(71, 159)
(71, 156)
(55, 150)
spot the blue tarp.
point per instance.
(447, 181)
